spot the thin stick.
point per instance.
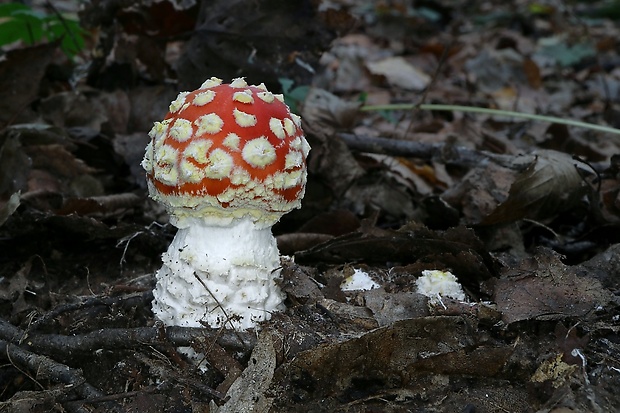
(495, 112)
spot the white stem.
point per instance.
(219, 276)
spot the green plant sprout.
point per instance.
(293, 95)
(20, 22)
(494, 112)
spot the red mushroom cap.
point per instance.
(226, 151)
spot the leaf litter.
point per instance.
(523, 213)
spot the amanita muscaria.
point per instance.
(227, 162)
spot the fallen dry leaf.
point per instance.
(457, 248)
(400, 73)
(550, 185)
(344, 63)
(7, 208)
(403, 354)
(324, 113)
(493, 70)
(21, 71)
(388, 308)
(553, 370)
(249, 392)
(543, 288)
(480, 191)
(15, 164)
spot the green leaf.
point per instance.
(29, 14)
(72, 39)
(564, 54)
(7, 9)
(538, 8)
(362, 97)
(286, 84)
(20, 22)
(299, 93)
(12, 31)
(428, 14)
(293, 96)
(23, 27)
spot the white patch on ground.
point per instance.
(436, 284)
(359, 281)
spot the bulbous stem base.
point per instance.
(219, 276)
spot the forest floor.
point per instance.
(524, 212)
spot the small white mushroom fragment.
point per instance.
(436, 284)
(358, 281)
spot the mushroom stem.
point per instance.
(219, 276)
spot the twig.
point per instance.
(20, 402)
(86, 303)
(456, 155)
(117, 396)
(62, 346)
(25, 373)
(46, 368)
(164, 372)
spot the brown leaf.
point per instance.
(480, 191)
(14, 164)
(337, 222)
(388, 308)
(33, 401)
(398, 354)
(550, 185)
(344, 63)
(14, 290)
(105, 205)
(298, 284)
(56, 159)
(354, 315)
(249, 393)
(542, 287)
(561, 138)
(532, 73)
(400, 73)
(493, 69)
(7, 208)
(92, 110)
(457, 249)
(21, 72)
(289, 244)
(325, 112)
(603, 267)
(331, 159)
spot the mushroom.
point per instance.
(435, 284)
(227, 162)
